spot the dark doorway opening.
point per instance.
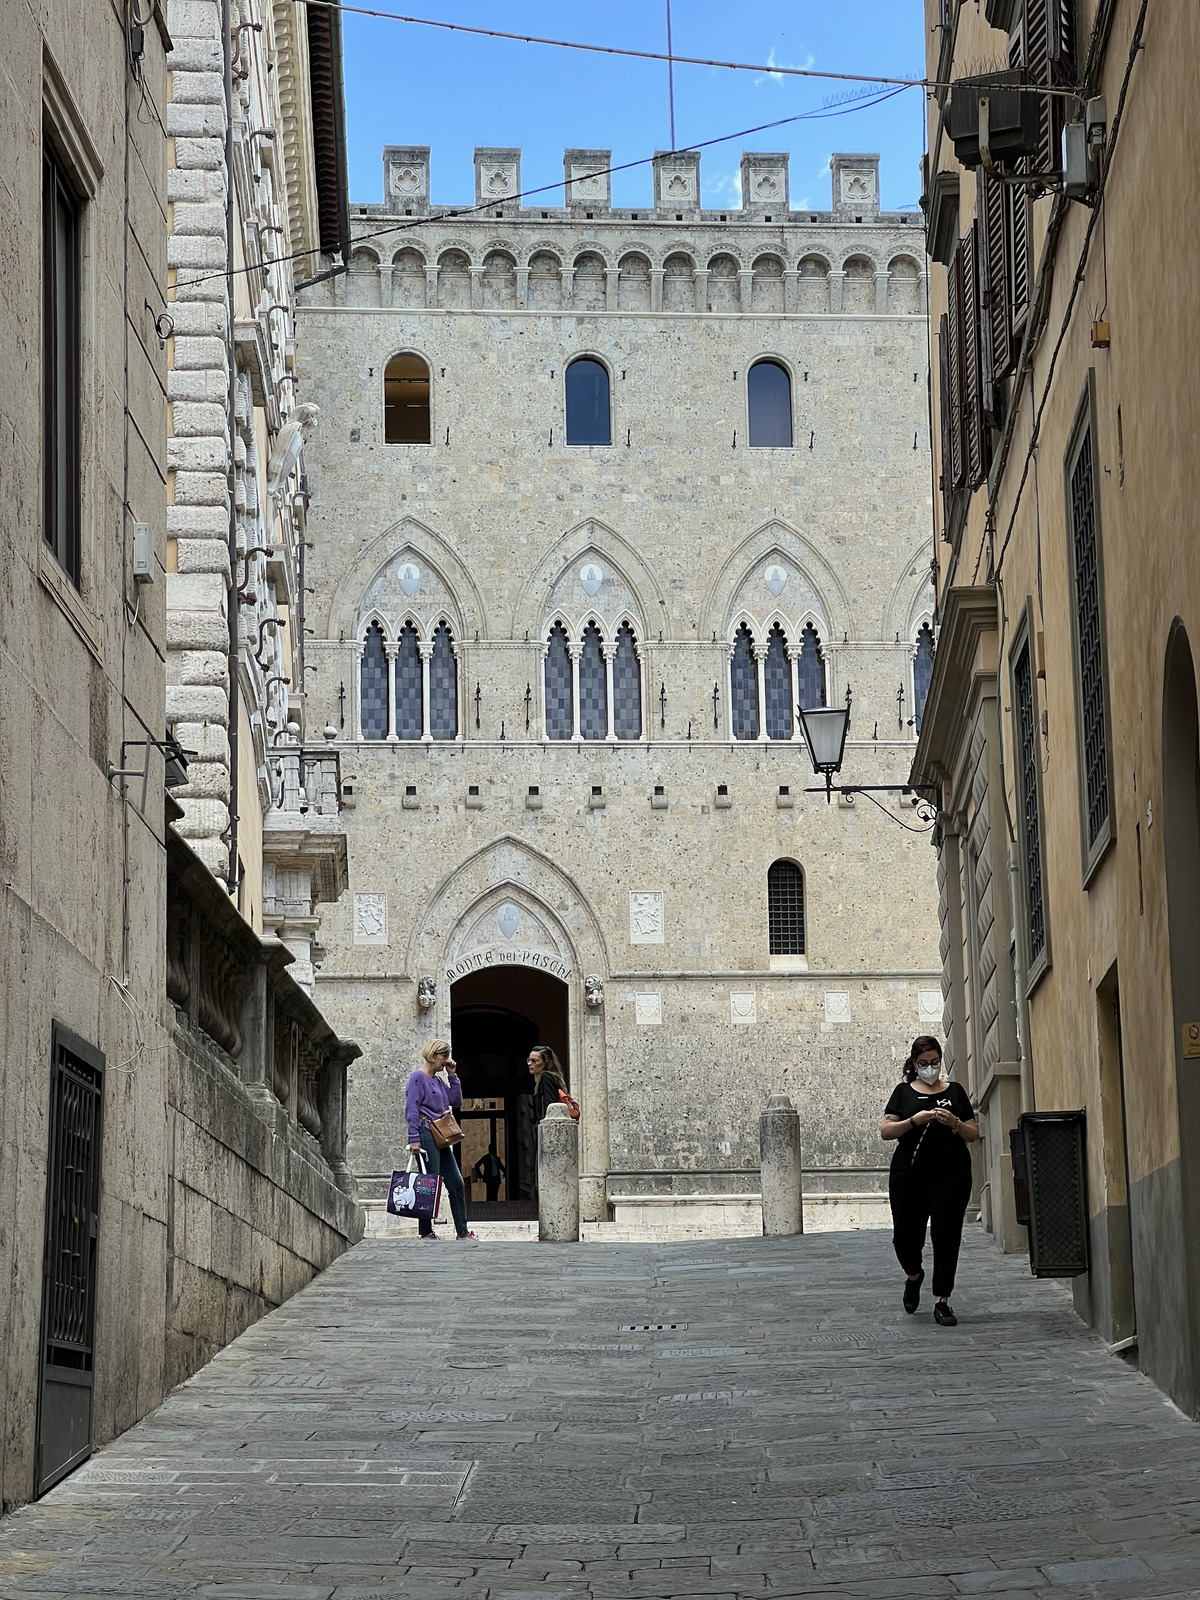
(496, 1017)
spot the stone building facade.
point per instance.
(1062, 715)
(598, 495)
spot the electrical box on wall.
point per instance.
(143, 553)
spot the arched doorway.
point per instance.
(1181, 849)
(496, 1016)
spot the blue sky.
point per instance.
(413, 85)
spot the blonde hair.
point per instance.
(435, 1047)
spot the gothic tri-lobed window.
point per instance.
(810, 670)
(922, 673)
(593, 686)
(777, 686)
(769, 401)
(785, 908)
(373, 685)
(443, 686)
(743, 686)
(408, 684)
(627, 687)
(559, 716)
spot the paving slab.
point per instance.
(433, 1424)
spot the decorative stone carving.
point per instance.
(837, 1005)
(930, 1006)
(508, 919)
(426, 993)
(776, 579)
(593, 989)
(370, 919)
(647, 1009)
(743, 1007)
(590, 578)
(646, 917)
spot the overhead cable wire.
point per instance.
(449, 213)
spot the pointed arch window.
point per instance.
(406, 415)
(373, 685)
(593, 686)
(769, 399)
(589, 407)
(810, 670)
(408, 684)
(743, 686)
(560, 720)
(922, 672)
(627, 686)
(443, 686)
(785, 908)
(777, 686)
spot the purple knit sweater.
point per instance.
(428, 1097)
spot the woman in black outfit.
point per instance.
(548, 1079)
(930, 1178)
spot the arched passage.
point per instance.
(496, 1016)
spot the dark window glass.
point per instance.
(593, 686)
(770, 399)
(785, 908)
(406, 401)
(559, 718)
(777, 686)
(627, 687)
(1089, 643)
(743, 686)
(408, 684)
(373, 683)
(588, 411)
(443, 686)
(1027, 772)
(922, 671)
(811, 670)
(60, 367)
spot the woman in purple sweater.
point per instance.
(426, 1097)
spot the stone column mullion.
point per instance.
(390, 650)
(760, 669)
(609, 652)
(575, 651)
(426, 651)
(794, 662)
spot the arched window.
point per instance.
(408, 684)
(922, 672)
(743, 686)
(810, 670)
(589, 418)
(560, 723)
(769, 395)
(593, 686)
(777, 686)
(785, 908)
(627, 686)
(406, 400)
(373, 685)
(443, 686)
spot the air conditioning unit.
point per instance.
(1050, 1183)
(1004, 106)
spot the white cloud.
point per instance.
(777, 77)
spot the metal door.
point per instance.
(67, 1354)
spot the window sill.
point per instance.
(69, 601)
(789, 963)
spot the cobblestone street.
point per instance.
(427, 1422)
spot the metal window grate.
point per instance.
(785, 908)
(373, 685)
(1027, 770)
(1089, 642)
(743, 686)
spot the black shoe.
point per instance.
(943, 1313)
(912, 1293)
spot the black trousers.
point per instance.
(936, 1200)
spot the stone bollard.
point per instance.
(779, 1159)
(558, 1176)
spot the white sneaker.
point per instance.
(467, 1238)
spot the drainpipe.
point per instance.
(231, 471)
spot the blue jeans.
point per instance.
(444, 1162)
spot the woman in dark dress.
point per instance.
(930, 1178)
(548, 1079)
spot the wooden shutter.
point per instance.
(1020, 264)
(978, 438)
(1045, 46)
(995, 290)
(957, 461)
(946, 419)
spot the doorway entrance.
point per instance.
(496, 1017)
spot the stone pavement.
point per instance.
(489, 1423)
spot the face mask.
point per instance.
(930, 1074)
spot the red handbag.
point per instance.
(567, 1099)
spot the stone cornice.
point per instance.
(968, 613)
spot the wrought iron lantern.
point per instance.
(825, 729)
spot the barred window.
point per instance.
(560, 721)
(1089, 642)
(922, 672)
(627, 686)
(443, 686)
(408, 685)
(1029, 814)
(373, 685)
(593, 686)
(777, 686)
(743, 686)
(785, 908)
(811, 670)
